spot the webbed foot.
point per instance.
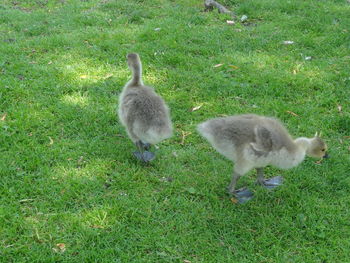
(243, 195)
(148, 156)
(138, 156)
(145, 156)
(273, 182)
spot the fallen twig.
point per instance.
(184, 135)
(210, 4)
(292, 113)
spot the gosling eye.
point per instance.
(323, 150)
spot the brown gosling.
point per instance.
(253, 141)
(143, 112)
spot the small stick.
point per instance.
(210, 4)
(184, 135)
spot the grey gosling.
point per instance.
(253, 141)
(143, 112)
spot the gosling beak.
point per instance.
(326, 156)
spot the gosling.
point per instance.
(143, 112)
(253, 141)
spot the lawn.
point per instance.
(70, 188)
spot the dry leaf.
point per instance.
(157, 29)
(196, 108)
(230, 22)
(319, 161)
(83, 76)
(9, 246)
(4, 116)
(186, 261)
(339, 108)
(234, 200)
(50, 62)
(51, 141)
(308, 58)
(26, 200)
(60, 247)
(292, 113)
(218, 65)
(234, 67)
(288, 42)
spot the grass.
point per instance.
(67, 174)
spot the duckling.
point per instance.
(253, 141)
(143, 112)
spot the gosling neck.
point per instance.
(136, 70)
(303, 143)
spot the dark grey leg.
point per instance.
(139, 145)
(146, 146)
(232, 186)
(139, 154)
(147, 155)
(243, 195)
(260, 173)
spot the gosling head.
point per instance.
(133, 60)
(317, 148)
